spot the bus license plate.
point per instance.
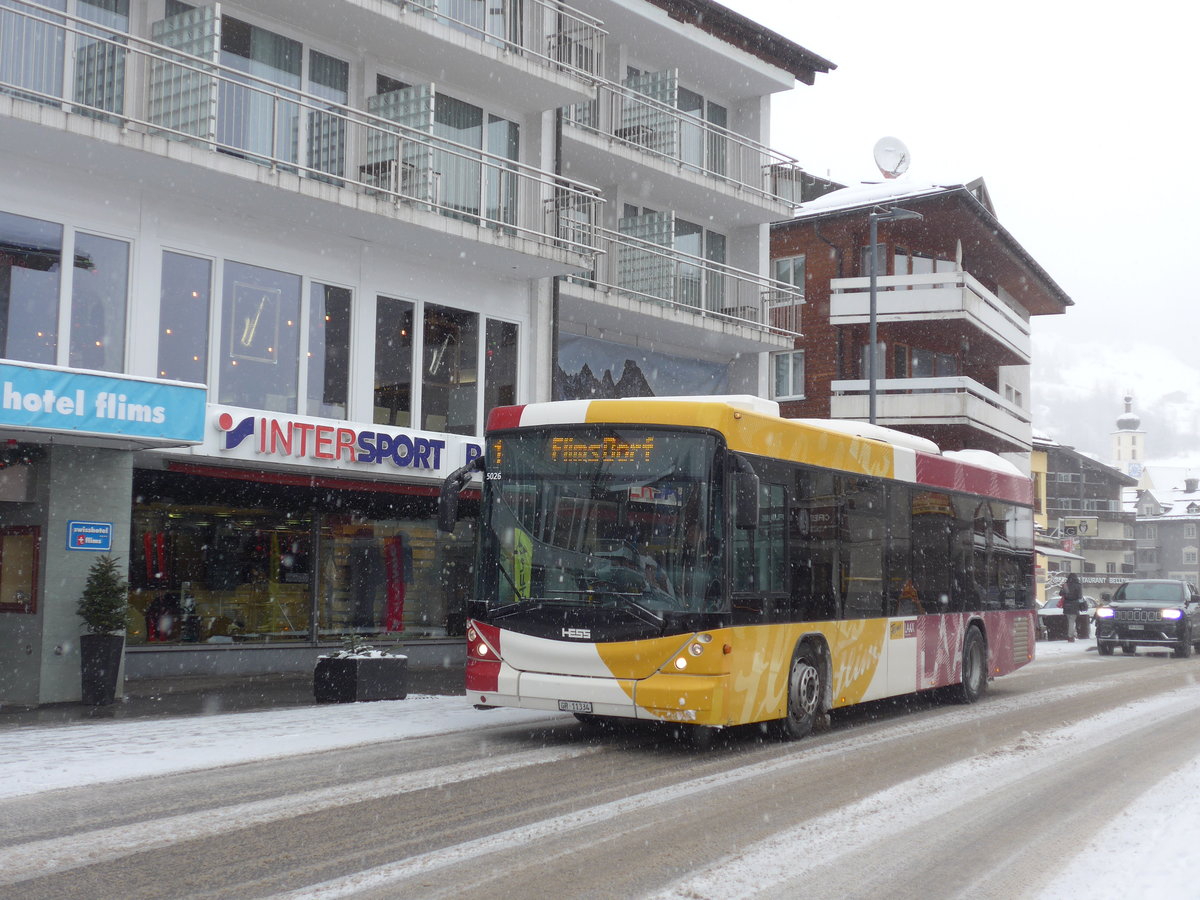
(580, 706)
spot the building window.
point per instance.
(789, 375)
(450, 371)
(462, 183)
(252, 117)
(1110, 568)
(185, 295)
(19, 551)
(30, 272)
(393, 361)
(1151, 532)
(790, 270)
(917, 362)
(500, 365)
(864, 358)
(1189, 531)
(911, 262)
(99, 296)
(328, 350)
(1190, 556)
(261, 339)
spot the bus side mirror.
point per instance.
(451, 488)
(745, 495)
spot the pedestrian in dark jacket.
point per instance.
(1071, 601)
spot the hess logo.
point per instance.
(581, 634)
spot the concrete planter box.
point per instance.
(350, 679)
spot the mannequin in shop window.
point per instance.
(164, 617)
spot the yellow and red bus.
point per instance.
(703, 561)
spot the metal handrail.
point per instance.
(735, 158)
(576, 43)
(529, 202)
(646, 271)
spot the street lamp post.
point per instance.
(895, 214)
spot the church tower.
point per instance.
(1129, 442)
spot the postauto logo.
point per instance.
(335, 443)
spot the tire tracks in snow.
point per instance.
(387, 878)
(46, 857)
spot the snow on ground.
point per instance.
(42, 758)
(1161, 828)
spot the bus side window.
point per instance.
(863, 541)
(812, 531)
(759, 559)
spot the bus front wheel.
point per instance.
(805, 689)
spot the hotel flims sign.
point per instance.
(50, 399)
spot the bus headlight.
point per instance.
(696, 649)
(681, 662)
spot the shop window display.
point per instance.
(261, 338)
(269, 571)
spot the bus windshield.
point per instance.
(614, 516)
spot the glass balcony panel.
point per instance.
(237, 89)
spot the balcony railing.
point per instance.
(939, 295)
(919, 401)
(194, 99)
(657, 274)
(689, 142)
(563, 37)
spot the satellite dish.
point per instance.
(891, 156)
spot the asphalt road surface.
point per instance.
(897, 799)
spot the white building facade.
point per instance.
(265, 267)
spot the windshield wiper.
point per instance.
(649, 616)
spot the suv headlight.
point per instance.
(1105, 612)
(1172, 613)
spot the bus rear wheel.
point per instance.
(974, 668)
(805, 689)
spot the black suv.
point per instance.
(1158, 613)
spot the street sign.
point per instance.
(1080, 526)
(89, 536)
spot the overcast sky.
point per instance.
(1080, 118)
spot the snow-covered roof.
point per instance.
(860, 198)
(870, 194)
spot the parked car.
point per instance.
(1150, 613)
(1054, 623)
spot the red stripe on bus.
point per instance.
(504, 417)
(936, 471)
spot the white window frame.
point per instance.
(788, 266)
(791, 356)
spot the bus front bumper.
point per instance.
(695, 699)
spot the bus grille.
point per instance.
(1021, 639)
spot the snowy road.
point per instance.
(429, 798)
